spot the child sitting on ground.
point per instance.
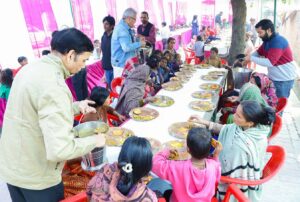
(170, 63)
(214, 59)
(164, 69)
(121, 181)
(194, 179)
(178, 60)
(101, 98)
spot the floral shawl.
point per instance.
(267, 89)
(103, 188)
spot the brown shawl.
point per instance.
(133, 90)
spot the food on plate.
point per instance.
(209, 77)
(143, 114)
(162, 101)
(172, 85)
(137, 111)
(210, 86)
(203, 106)
(117, 135)
(202, 94)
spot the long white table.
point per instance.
(178, 112)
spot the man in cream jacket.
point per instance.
(37, 136)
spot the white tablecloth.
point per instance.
(178, 112)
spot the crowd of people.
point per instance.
(37, 136)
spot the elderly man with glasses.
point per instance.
(123, 45)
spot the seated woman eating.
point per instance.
(133, 91)
(244, 144)
(101, 98)
(121, 181)
(248, 91)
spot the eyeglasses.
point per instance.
(133, 18)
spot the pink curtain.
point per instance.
(208, 18)
(82, 16)
(40, 22)
(171, 13)
(150, 9)
(111, 7)
(181, 9)
(162, 13)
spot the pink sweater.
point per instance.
(189, 183)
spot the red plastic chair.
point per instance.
(189, 55)
(282, 102)
(118, 81)
(277, 125)
(81, 197)
(111, 118)
(235, 192)
(270, 170)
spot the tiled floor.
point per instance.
(286, 185)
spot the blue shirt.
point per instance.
(122, 45)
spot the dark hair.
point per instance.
(199, 38)
(96, 40)
(203, 28)
(164, 58)
(257, 80)
(265, 24)
(136, 151)
(6, 77)
(99, 95)
(110, 20)
(46, 52)
(71, 39)
(153, 61)
(167, 52)
(257, 113)
(240, 56)
(158, 53)
(199, 142)
(214, 49)
(145, 13)
(195, 17)
(164, 24)
(170, 39)
(21, 59)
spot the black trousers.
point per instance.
(51, 194)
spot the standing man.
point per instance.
(250, 28)
(108, 24)
(123, 46)
(218, 19)
(147, 29)
(37, 136)
(276, 55)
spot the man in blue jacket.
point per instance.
(123, 45)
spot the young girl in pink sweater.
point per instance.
(194, 179)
